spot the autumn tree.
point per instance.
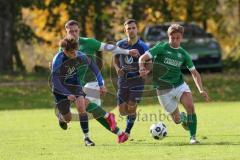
(12, 29)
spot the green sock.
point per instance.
(98, 114)
(192, 124)
(96, 110)
(103, 122)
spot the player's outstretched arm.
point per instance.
(117, 50)
(198, 81)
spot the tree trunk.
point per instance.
(98, 29)
(18, 60)
(189, 8)
(6, 36)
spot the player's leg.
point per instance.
(106, 119)
(187, 102)
(83, 118)
(98, 112)
(168, 101)
(91, 90)
(63, 110)
(176, 116)
(134, 96)
(122, 97)
(122, 101)
(131, 117)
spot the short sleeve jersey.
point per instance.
(168, 62)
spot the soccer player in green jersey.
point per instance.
(168, 58)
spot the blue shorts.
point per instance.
(62, 102)
(129, 90)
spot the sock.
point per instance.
(99, 114)
(86, 135)
(192, 124)
(96, 110)
(184, 118)
(106, 115)
(117, 131)
(130, 122)
(103, 122)
(83, 117)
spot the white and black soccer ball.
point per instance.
(158, 130)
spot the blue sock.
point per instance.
(83, 117)
(130, 122)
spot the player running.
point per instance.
(168, 58)
(67, 87)
(130, 84)
(90, 46)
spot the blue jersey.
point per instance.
(65, 80)
(129, 63)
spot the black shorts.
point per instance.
(62, 102)
(129, 90)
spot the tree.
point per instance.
(12, 29)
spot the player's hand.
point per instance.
(102, 90)
(120, 72)
(134, 53)
(143, 72)
(205, 95)
(71, 97)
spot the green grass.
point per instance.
(34, 134)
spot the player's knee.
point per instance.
(122, 110)
(176, 119)
(67, 118)
(81, 110)
(131, 107)
(190, 109)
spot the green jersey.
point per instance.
(89, 46)
(167, 64)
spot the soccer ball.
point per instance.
(158, 131)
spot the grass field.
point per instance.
(34, 135)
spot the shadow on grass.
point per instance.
(162, 143)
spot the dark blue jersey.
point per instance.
(65, 80)
(129, 63)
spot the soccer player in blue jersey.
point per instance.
(130, 84)
(90, 46)
(67, 87)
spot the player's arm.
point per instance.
(198, 81)
(196, 76)
(100, 46)
(97, 73)
(116, 65)
(57, 82)
(117, 50)
(146, 57)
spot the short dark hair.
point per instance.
(71, 23)
(128, 21)
(68, 43)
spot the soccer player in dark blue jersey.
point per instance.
(67, 88)
(130, 84)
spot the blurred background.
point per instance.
(30, 31)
